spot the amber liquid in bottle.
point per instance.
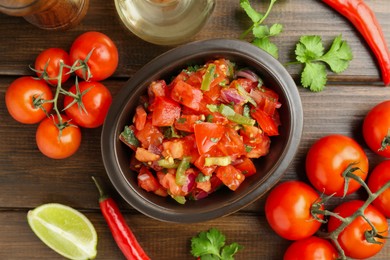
(164, 22)
(47, 14)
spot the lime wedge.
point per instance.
(65, 230)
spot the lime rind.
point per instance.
(65, 230)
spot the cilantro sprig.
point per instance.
(261, 33)
(210, 245)
(310, 52)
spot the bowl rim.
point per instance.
(171, 58)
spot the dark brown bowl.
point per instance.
(116, 155)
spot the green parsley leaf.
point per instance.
(250, 11)
(309, 48)
(210, 245)
(260, 32)
(310, 51)
(275, 29)
(338, 56)
(314, 76)
(230, 250)
(267, 45)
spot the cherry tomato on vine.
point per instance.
(49, 61)
(311, 248)
(288, 210)
(376, 129)
(96, 101)
(23, 97)
(379, 177)
(329, 158)
(55, 145)
(104, 59)
(352, 239)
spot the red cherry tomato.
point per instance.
(54, 145)
(20, 96)
(311, 248)
(378, 177)
(288, 210)
(49, 60)
(376, 129)
(104, 59)
(352, 238)
(329, 157)
(96, 101)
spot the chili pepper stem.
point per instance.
(102, 194)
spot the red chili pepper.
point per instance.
(121, 232)
(364, 20)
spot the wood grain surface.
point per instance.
(29, 179)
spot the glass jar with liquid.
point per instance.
(47, 14)
(164, 22)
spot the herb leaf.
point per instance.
(267, 45)
(260, 32)
(314, 76)
(252, 13)
(310, 51)
(309, 48)
(338, 56)
(210, 245)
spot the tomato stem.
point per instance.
(370, 235)
(385, 142)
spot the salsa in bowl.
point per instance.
(202, 131)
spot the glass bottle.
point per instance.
(164, 22)
(47, 14)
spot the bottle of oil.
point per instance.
(164, 22)
(47, 14)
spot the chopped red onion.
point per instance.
(248, 74)
(232, 95)
(190, 183)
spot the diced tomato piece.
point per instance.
(266, 99)
(168, 181)
(148, 182)
(266, 122)
(257, 143)
(158, 89)
(187, 95)
(143, 155)
(247, 167)
(231, 143)
(149, 135)
(206, 170)
(204, 185)
(194, 79)
(215, 90)
(174, 149)
(230, 176)
(247, 84)
(186, 122)
(140, 118)
(218, 118)
(207, 135)
(165, 111)
(190, 148)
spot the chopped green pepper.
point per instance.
(167, 163)
(208, 77)
(219, 161)
(128, 137)
(181, 170)
(235, 117)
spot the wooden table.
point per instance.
(29, 179)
